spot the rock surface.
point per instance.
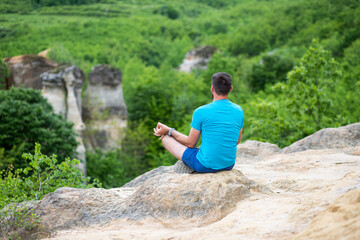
(25, 70)
(105, 112)
(254, 150)
(62, 87)
(315, 185)
(340, 220)
(328, 138)
(197, 58)
(169, 195)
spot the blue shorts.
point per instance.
(189, 159)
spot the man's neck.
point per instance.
(220, 97)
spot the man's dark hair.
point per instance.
(222, 83)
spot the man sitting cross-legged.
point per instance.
(220, 125)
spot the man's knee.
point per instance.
(165, 139)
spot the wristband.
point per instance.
(170, 131)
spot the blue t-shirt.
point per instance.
(220, 123)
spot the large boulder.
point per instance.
(25, 70)
(70, 207)
(329, 138)
(104, 109)
(209, 197)
(203, 198)
(197, 58)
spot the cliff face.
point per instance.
(103, 109)
(105, 112)
(197, 58)
(271, 194)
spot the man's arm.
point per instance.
(189, 141)
(240, 136)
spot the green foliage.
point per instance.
(309, 87)
(43, 175)
(117, 167)
(258, 42)
(271, 69)
(26, 117)
(3, 75)
(168, 11)
(307, 102)
(62, 2)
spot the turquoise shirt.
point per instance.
(220, 123)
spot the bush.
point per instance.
(26, 117)
(168, 11)
(44, 175)
(271, 69)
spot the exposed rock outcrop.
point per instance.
(104, 108)
(202, 197)
(254, 150)
(62, 87)
(25, 70)
(293, 190)
(329, 138)
(105, 112)
(340, 220)
(178, 167)
(197, 58)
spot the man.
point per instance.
(220, 125)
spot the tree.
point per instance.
(25, 118)
(309, 89)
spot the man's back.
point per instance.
(220, 123)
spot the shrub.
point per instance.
(271, 69)
(44, 175)
(26, 117)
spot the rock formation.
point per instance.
(197, 58)
(248, 151)
(62, 87)
(105, 112)
(288, 191)
(329, 138)
(203, 198)
(25, 70)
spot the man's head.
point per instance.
(222, 83)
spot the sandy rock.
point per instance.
(255, 151)
(25, 70)
(311, 194)
(340, 220)
(202, 198)
(197, 58)
(70, 207)
(328, 138)
(178, 167)
(105, 112)
(208, 196)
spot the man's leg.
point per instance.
(173, 146)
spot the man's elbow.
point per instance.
(191, 145)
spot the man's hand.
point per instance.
(161, 130)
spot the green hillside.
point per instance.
(260, 42)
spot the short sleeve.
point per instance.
(242, 119)
(196, 120)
